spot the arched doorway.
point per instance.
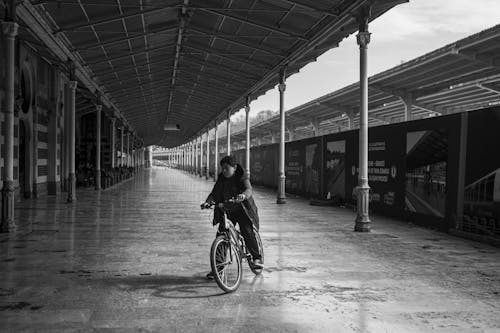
(26, 90)
(23, 161)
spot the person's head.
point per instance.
(228, 166)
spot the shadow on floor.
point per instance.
(168, 286)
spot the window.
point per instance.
(490, 182)
(26, 92)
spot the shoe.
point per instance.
(210, 275)
(257, 263)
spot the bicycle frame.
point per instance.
(234, 236)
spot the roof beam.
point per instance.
(182, 116)
(235, 79)
(111, 19)
(209, 93)
(308, 6)
(250, 22)
(135, 87)
(405, 96)
(182, 26)
(203, 102)
(122, 69)
(82, 47)
(117, 83)
(202, 97)
(453, 93)
(187, 112)
(126, 97)
(137, 104)
(220, 67)
(212, 77)
(130, 106)
(489, 87)
(379, 118)
(251, 63)
(203, 88)
(462, 99)
(470, 101)
(154, 90)
(453, 72)
(138, 77)
(204, 85)
(236, 42)
(117, 57)
(489, 61)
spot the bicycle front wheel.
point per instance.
(225, 262)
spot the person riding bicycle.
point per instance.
(233, 182)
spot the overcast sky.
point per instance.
(404, 33)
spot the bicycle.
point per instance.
(227, 251)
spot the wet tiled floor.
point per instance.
(133, 258)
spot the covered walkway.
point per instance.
(133, 258)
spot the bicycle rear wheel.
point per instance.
(225, 262)
(256, 270)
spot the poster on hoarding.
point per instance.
(256, 166)
(481, 209)
(382, 172)
(335, 169)
(426, 165)
(386, 159)
(313, 160)
(294, 169)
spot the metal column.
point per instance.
(247, 127)
(363, 190)
(113, 142)
(228, 131)
(281, 199)
(98, 148)
(196, 157)
(191, 157)
(201, 155)
(10, 32)
(122, 129)
(127, 161)
(216, 153)
(207, 175)
(72, 175)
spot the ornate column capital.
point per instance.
(10, 29)
(363, 38)
(98, 107)
(282, 87)
(72, 85)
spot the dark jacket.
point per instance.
(243, 184)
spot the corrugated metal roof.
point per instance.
(195, 59)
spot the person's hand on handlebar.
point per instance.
(206, 205)
(240, 197)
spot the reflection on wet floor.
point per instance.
(134, 258)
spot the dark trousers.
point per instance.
(247, 231)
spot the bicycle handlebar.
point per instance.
(208, 205)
